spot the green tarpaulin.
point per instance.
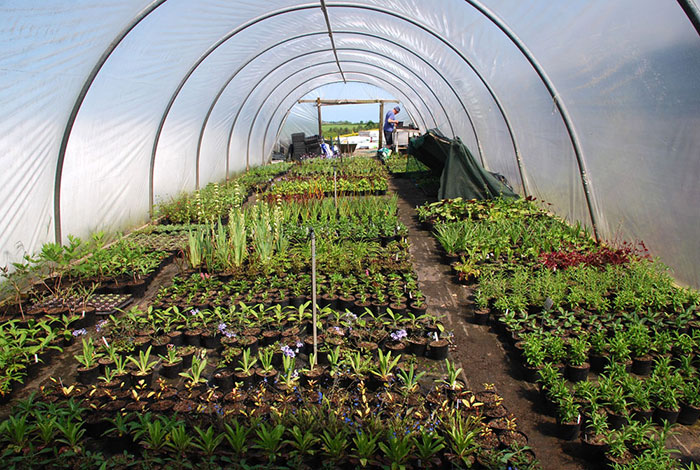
(461, 175)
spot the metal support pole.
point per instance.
(381, 125)
(320, 122)
(313, 295)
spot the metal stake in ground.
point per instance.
(335, 188)
(313, 295)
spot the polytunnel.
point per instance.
(173, 293)
(113, 105)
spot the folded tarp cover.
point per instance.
(461, 175)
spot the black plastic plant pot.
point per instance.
(642, 365)
(249, 342)
(598, 362)
(171, 371)
(118, 444)
(176, 338)
(417, 347)
(88, 375)
(670, 416)
(160, 348)
(689, 414)
(481, 316)
(246, 380)
(86, 317)
(124, 379)
(617, 421)
(578, 373)
(595, 449)
(437, 350)
(223, 378)
(137, 377)
(417, 310)
(316, 375)
(187, 360)
(96, 424)
(141, 343)
(211, 340)
(568, 431)
(530, 373)
(192, 338)
(270, 336)
(137, 288)
(642, 415)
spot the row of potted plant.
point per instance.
(313, 179)
(357, 166)
(334, 429)
(71, 275)
(215, 200)
(354, 291)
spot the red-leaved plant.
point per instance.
(602, 256)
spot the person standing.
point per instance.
(390, 122)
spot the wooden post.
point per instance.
(320, 122)
(381, 125)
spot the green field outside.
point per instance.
(345, 127)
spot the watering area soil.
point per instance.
(485, 359)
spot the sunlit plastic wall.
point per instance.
(109, 105)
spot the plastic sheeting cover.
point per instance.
(624, 76)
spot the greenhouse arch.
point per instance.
(586, 203)
(350, 233)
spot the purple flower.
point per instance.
(222, 327)
(80, 332)
(194, 311)
(337, 330)
(287, 351)
(399, 335)
(299, 344)
(101, 324)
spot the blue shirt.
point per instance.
(388, 126)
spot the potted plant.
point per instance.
(89, 372)
(577, 366)
(384, 368)
(640, 343)
(595, 433)
(266, 373)
(690, 402)
(397, 343)
(639, 398)
(144, 367)
(438, 348)
(244, 372)
(186, 353)
(172, 362)
(667, 390)
(598, 352)
(617, 454)
(533, 355)
(194, 376)
(568, 417)
(452, 383)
